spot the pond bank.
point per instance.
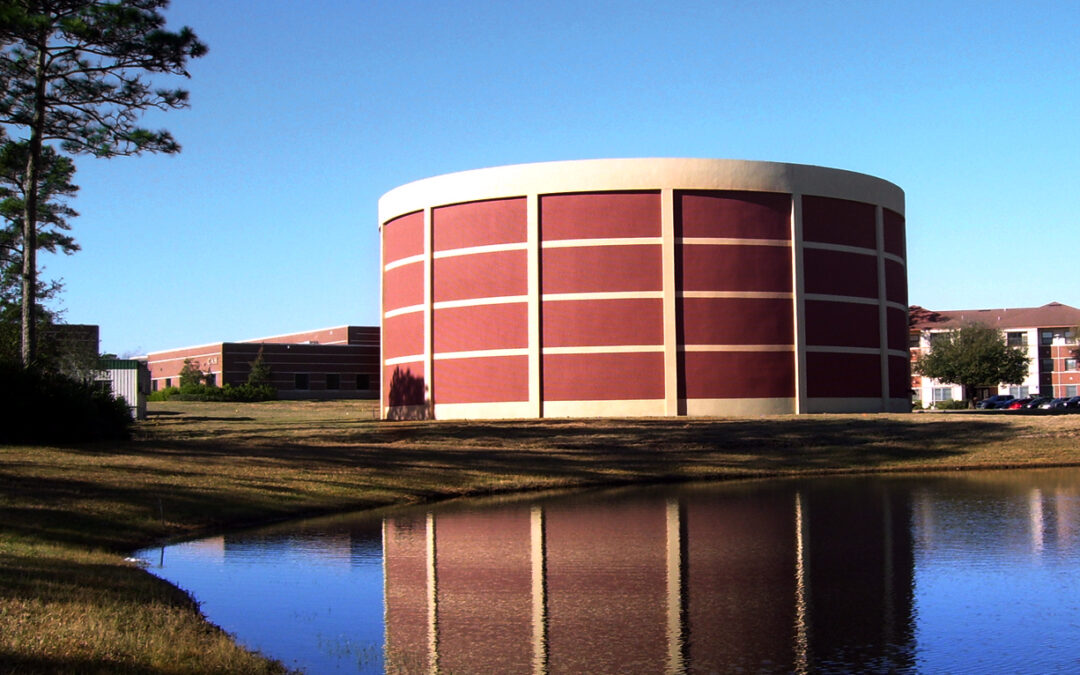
(69, 515)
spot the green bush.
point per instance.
(244, 393)
(43, 407)
(163, 394)
(950, 405)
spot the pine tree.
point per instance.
(259, 375)
(73, 72)
(54, 186)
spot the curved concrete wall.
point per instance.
(643, 287)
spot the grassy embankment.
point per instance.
(68, 515)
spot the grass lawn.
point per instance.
(69, 515)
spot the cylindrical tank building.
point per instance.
(638, 287)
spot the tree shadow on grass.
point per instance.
(164, 485)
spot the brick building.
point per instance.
(339, 362)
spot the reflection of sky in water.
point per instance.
(969, 574)
(312, 602)
(998, 580)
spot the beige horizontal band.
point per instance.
(478, 302)
(850, 299)
(612, 295)
(602, 241)
(410, 309)
(829, 349)
(645, 173)
(732, 241)
(398, 360)
(737, 348)
(401, 262)
(473, 250)
(772, 295)
(604, 349)
(842, 248)
(480, 354)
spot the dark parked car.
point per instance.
(1073, 402)
(1054, 403)
(1015, 404)
(1037, 402)
(994, 401)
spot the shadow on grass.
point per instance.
(167, 485)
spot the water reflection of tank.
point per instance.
(711, 581)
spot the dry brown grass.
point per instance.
(68, 514)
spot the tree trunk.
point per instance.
(30, 209)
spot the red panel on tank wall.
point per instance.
(583, 269)
(899, 377)
(839, 221)
(735, 321)
(600, 215)
(897, 328)
(894, 232)
(462, 329)
(748, 215)
(403, 286)
(840, 273)
(497, 221)
(734, 268)
(481, 380)
(603, 377)
(895, 282)
(403, 335)
(481, 275)
(737, 375)
(576, 323)
(843, 375)
(404, 384)
(842, 324)
(403, 237)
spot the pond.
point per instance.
(976, 572)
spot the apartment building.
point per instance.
(1048, 334)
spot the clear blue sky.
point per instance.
(304, 113)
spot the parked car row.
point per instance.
(1009, 402)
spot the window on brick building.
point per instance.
(1017, 339)
(363, 382)
(1070, 364)
(1057, 336)
(1046, 365)
(300, 381)
(1070, 390)
(333, 381)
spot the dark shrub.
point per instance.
(41, 407)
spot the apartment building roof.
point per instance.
(1051, 315)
